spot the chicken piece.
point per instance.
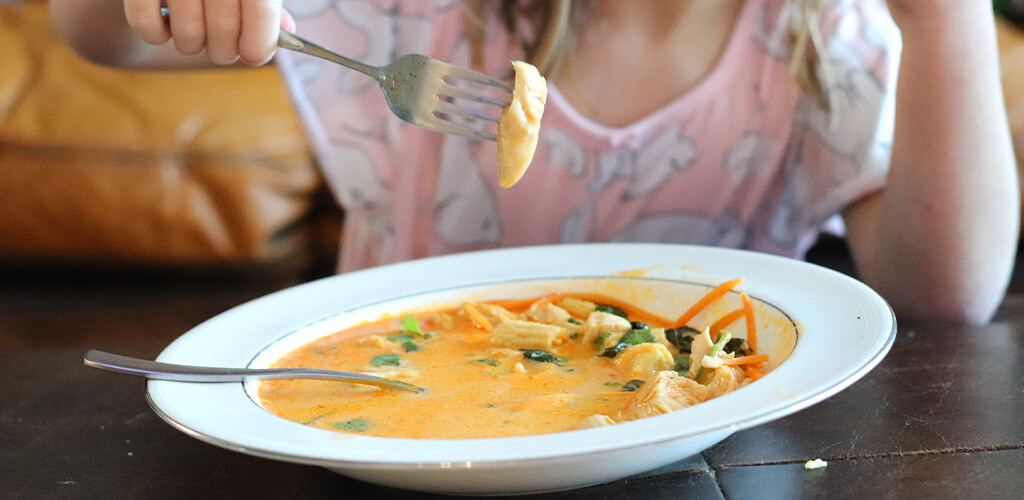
(698, 349)
(578, 308)
(641, 361)
(601, 322)
(725, 379)
(596, 420)
(664, 393)
(548, 313)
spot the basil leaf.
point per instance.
(385, 360)
(542, 356)
(354, 425)
(611, 310)
(632, 385)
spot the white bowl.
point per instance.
(841, 329)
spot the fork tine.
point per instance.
(455, 110)
(460, 93)
(458, 72)
(448, 127)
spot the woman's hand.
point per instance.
(228, 31)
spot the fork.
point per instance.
(427, 92)
(189, 373)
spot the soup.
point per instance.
(518, 367)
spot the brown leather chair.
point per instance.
(105, 165)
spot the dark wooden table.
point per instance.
(941, 417)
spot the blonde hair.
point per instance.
(553, 24)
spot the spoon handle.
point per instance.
(188, 373)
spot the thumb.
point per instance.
(287, 21)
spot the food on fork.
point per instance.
(519, 125)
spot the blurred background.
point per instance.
(143, 203)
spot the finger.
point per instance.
(188, 25)
(144, 17)
(223, 28)
(287, 21)
(261, 22)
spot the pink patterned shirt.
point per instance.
(744, 159)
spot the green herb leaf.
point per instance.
(681, 337)
(410, 346)
(632, 385)
(635, 336)
(409, 324)
(611, 310)
(542, 356)
(354, 425)
(738, 345)
(682, 365)
(487, 361)
(574, 321)
(385, 360)
(401, 338)
(630, 338)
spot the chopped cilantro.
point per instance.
(487, 361)
(409, 324)
(354, 425)
(574, 321)
(385, 360)
(599, 341)
(406, 341)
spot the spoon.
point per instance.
(187, 373)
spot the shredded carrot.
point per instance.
(712, 296)
(752, 372)
(746, 360)
(479, 319)
(725, 321)
(748, 311)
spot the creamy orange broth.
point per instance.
(475, 388)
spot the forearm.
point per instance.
(946, 227)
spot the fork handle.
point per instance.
(291, 41)
(187, 373)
